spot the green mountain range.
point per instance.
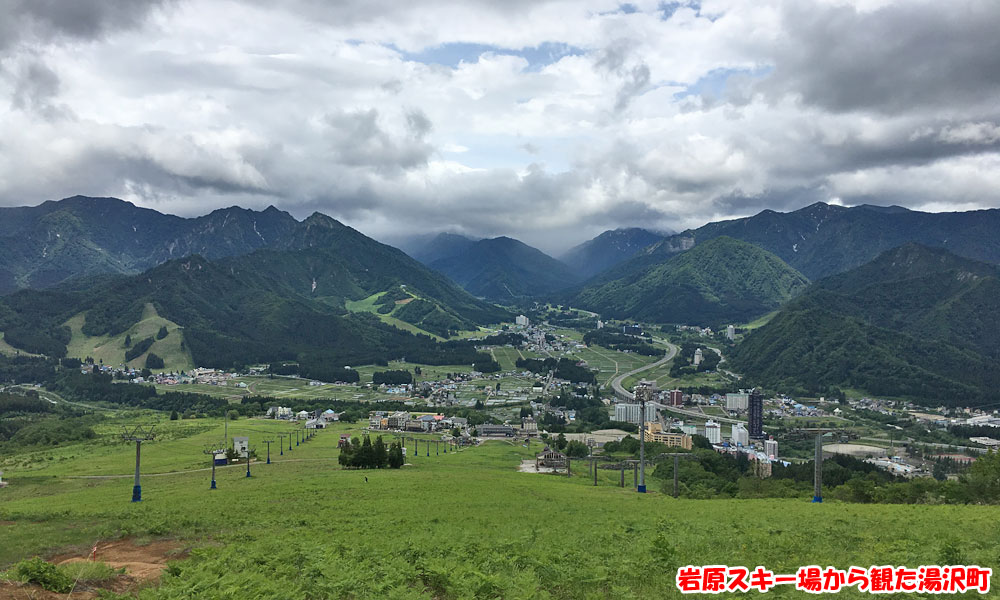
(720, 281)
(266, 306)
(916, 322)
(607, 250)
(823, 239)
(41, 246)
(505, 270)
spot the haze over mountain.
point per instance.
(334, 298)
(916, 321)
(608, 249)
(504, 270)
(720, 281)
(436, 247)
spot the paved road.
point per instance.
(616, 383)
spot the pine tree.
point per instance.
(380, 454)
(162, 333)
(395, 455)
(173, 415)
(128, 341)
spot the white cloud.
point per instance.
(717, 111)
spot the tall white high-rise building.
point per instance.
(730, 333)
(698, 357)
(740, 436)
(521, 320)
(771, 448)
(713, 431)
(629, 413)
(738, 401)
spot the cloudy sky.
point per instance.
(550, 121)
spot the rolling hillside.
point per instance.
(721, 281)
(916, 322)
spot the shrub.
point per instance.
(45, 574)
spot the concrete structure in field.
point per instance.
(737, 401)
(654, 433)
(740, 435)
(698, 357)
(242, 446)
(771, 447)
(730, 333)
(522, 321)
(713, 431)
(755, 410)
(676, 398)
(551, 459)
(630, 413)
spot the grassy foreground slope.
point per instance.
(461, 525)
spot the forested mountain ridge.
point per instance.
(505, 269)
(721, 281)
(916, 321)
(823, 239)
(268, 305)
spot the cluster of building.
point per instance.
(314, 419)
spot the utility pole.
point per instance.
(289, 442)
(281, 444)
(296, 437)
(137, 434)
(268, 442)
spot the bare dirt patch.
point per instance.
(404, 301)
(142, 564)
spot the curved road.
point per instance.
(616, 383)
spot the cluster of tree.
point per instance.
(489, 366)
(358, 454)
(564, 369)
(138, 349)
(27, 369)
(621, 342)
(154, 362)
(392, 377)
(313, 367)
(684, 361)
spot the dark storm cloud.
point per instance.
(86, 19)
(943, 55)
(357, 139)
(35, 85)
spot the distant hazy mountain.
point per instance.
(720, 281)
(916, 321)
(43, 245)
(607, 250)
(442, 245)
(333, 299)
(505, 269)
(823, 239)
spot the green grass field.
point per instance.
(111, 349)
(461, 525)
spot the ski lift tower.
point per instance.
(137, 434)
